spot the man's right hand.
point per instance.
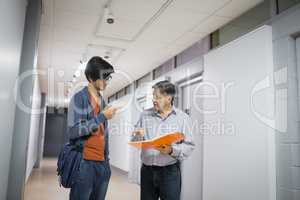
(109, 112)
(139, 132)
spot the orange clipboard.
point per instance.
(167, 139)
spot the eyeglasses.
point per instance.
(108, 78)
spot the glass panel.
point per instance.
(245, 23)
(164, 68)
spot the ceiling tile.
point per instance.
(172, 24)
(104, 41)
(180, 19)
(211, 24)
(236, 7)
(74, 20)
(112, 53)
(143, 9)
(188, 39)
(77, 48)
(122, 28)
(71, 35)
(164, 35)
(91, 7)
(128, 24)
(202, 6)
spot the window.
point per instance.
(215, 39)
(242, 25)
(164, 68)
(195, 51)
(121, 93)
(111, 98)
(127, 89)
(143, 79)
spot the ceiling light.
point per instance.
(108, 16)
(77, 73)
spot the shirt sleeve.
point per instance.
(138, 125)
(184, 149)
(78, 124)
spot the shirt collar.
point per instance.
(155, 113)
(87, 95)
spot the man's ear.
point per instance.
(90, 80)
(170, 99)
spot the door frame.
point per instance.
(197, 78)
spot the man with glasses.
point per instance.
(160, 172)
(87, 128)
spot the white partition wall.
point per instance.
(238, 109)
(120, 128)
(32, 151)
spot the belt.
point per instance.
(177, 164)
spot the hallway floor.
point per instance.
(43, 185)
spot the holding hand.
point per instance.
(109, 112)
(139, 132)
(165, 149)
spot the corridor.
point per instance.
(183, 99)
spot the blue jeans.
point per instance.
(160, 182)
(92, 181)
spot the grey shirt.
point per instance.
(154, 125)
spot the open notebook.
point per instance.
(166, 139)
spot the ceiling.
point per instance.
(144, 35)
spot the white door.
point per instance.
(192, 167)
(239, 149)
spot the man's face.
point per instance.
(160, 101)
(99, 84)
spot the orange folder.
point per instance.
(166, 139)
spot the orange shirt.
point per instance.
(94, 146)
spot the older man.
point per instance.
(160, 172)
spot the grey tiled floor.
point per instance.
(43, 185)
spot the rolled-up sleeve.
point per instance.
(78, 125)
(184, 149)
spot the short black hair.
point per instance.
(167, 88)
(98, 68)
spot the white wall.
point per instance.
(120, 129)
(239, 162)
(12, 17)
(32, 152)
(287, 90)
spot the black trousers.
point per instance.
(160, 182)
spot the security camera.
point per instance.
(109, 18)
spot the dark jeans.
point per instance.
(92, 181)
(160, 182)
